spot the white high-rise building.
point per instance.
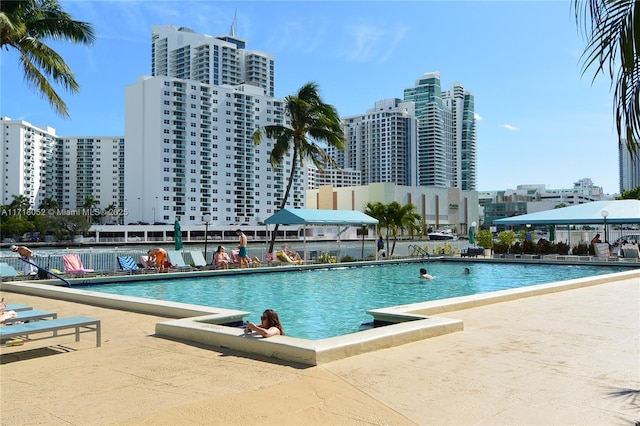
(95, 165)
(629, 169)
(39, 164)
(190, 152)
(26, 163)
(381, 144)
(183, 53)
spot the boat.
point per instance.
(442, 234)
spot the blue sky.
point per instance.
(539, 121)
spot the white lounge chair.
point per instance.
(198, 259)
(176, 259)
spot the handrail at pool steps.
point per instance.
(40, 268)
(414, 248)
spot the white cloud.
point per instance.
(477, 116)
(372, 41)
(510, 127)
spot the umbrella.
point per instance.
(552, 233)
(472, 239)
(177, 234)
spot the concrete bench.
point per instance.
(472, 252)
(79, 324)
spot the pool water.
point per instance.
(320, 303)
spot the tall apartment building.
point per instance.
(629, 169)
(381, 144)
(189, 131)
(26, 166)
(39, 164)
(86, 166)
(185, 54)
(446, 139)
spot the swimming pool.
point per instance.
(321, 303)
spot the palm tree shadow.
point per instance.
(626, 396)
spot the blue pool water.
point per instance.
(321, 303)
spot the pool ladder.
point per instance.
(416, 250)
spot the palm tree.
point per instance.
(48, 203)
(379, 211)
(23, 26)
(312, 120)
(612, 28)
(20, 203)
(90, 203)
(401, 218)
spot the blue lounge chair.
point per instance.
(7, 270)
(78, 324)
(127, 263)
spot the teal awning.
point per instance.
(618, 211)
(320, 217)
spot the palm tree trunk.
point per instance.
(294, 166)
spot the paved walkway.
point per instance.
(562, 358)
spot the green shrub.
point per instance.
(562, 248)
(581, 249)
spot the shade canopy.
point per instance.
(616, 211)
(320, 217)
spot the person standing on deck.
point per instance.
(242, 255)
(25, 253)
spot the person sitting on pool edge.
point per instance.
(270, 325)
(424, 274)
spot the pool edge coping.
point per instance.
(204, 325)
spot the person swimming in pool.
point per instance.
(269, 326)
(425, 275)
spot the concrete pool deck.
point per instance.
(569, 357)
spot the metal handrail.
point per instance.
(47, 271)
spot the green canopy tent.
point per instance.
(177, 235)
(308, 217)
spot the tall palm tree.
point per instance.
(379, 211)
(402, 218)
(23, 26)
(20, 203)
(612, 28)
(312, 120)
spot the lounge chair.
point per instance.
(176, 259)
(80, 324)
(283, 257)
(17, 308)
(73, 264)
(7, 270)
(601, 249)
(127, 263)
(198, 259)
(31, 315)
(630, 253)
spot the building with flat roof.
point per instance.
(629, 169)
(437, 207)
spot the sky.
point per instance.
(539, 119)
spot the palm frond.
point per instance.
(612, 28)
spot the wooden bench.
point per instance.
(79, 324)
(472, 252)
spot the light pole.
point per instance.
(604, 214)
(207, 219)
(473, 232)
